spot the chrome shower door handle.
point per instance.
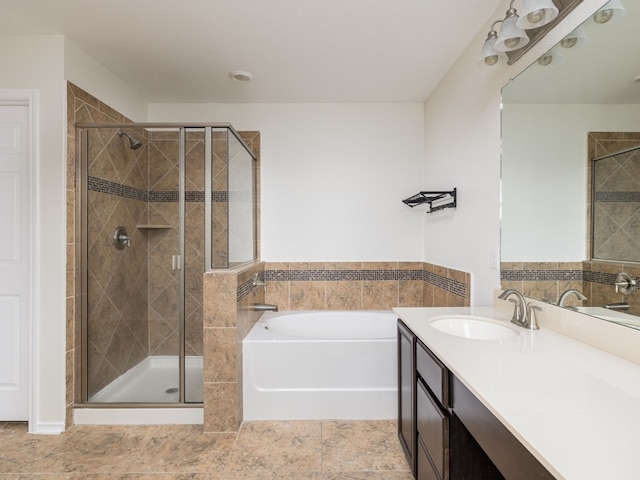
(121, 238)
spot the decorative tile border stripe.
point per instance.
(95, 184)
(623, 197)
(246, 288)
(540, 275)
(448, 284)
(600, 277)
(559, 275)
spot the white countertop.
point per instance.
(576, 408)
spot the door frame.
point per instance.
(30, 99)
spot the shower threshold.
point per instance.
(155, 380)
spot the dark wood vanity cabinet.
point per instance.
(445, 431)
(406, 393)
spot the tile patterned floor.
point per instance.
(299, 450)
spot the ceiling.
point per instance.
(297, 50)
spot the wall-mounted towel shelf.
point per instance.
(435, 200)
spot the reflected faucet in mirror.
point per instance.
(566, 293)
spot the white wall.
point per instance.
(534, 173)
(83, 71)
(333, 176)
(36, 62)
(462, 147)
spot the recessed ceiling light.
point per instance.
(240, 76)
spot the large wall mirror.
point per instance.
(578, 103)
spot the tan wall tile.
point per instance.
(344, 295)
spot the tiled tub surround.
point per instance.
(595, 279)
(228, 317)
(228, 312)
(364, 285)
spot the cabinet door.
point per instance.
(433, 430)
(406, 393)
(424, 470)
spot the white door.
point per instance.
(15, 228)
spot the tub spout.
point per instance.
(265, 307)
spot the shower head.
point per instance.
(133, 142)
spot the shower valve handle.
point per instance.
(121, 238)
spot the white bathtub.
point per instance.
(321, 365)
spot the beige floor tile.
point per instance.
(361, 446)
(305, 450)
(280, 448)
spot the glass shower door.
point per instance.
(131, 281)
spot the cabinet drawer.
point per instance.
(433, 429)
(433, 372)
(425, 469)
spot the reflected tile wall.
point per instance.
(546, 281)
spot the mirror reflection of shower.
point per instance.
(134, 143)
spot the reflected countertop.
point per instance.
(575, 407)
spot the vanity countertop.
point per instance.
(576, 408)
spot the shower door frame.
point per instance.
(81, 228)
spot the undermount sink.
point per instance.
(473, 327)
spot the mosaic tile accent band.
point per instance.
(450, 285)
(623, 197)
(560, 275)
(541, 275)
(96, 184)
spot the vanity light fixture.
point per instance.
(489, 55)
(511, 37)
(577, 37)
(536, 13)
(608, 11)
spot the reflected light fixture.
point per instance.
(489, 56)
(577, 37)
(551, 57)
(536, 13)
(511, 37)
(607, 12)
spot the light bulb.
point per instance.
(536, 16)
(568, 42)
(603, 16)
(545, 60)
(491, 60)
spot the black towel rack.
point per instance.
(430, 197)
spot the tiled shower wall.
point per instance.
(81, 107)
(617, 202)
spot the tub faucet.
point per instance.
(265, 307)
(566, 293)
(523, 315)
(258, 283)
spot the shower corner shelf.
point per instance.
(431, 197)
(152, 226)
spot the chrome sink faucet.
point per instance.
(523, 313)
(566, 293)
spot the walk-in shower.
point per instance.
(159, 206)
